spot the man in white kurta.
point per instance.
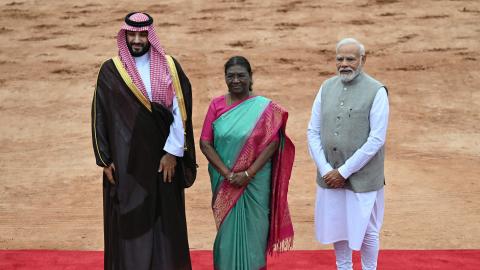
(350, 195)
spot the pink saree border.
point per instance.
(273, 120)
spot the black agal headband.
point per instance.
(138, 24)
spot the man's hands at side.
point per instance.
(334, 179)
(109, 171)
(167, 166)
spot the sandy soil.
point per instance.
(426, 52)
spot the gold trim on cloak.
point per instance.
(179, 94)
(95, 119)
(128, 81)
(178, 88)
(138, 94)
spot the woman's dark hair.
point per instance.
(241, 61)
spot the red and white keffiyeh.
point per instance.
(161, 82)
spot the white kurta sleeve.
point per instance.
(376, 138)
(176, 138)
(314, 139)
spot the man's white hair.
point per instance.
(346, 41)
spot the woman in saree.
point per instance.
(250, 162)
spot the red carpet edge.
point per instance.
(299, 259)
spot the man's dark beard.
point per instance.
(138, 54)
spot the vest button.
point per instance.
(334, 149)
(341, 103)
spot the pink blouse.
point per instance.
(217, 107)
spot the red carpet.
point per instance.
(318, 259)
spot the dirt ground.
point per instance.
(426, 52)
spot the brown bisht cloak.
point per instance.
(144, 218)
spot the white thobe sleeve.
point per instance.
(376, 138)
(314, 139)
(176, 138)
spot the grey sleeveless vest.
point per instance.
(345, 128)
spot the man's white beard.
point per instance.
(349, 77)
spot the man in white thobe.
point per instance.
(142, 137)
(346, 137)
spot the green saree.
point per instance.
(252, 220)
(242, 237)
